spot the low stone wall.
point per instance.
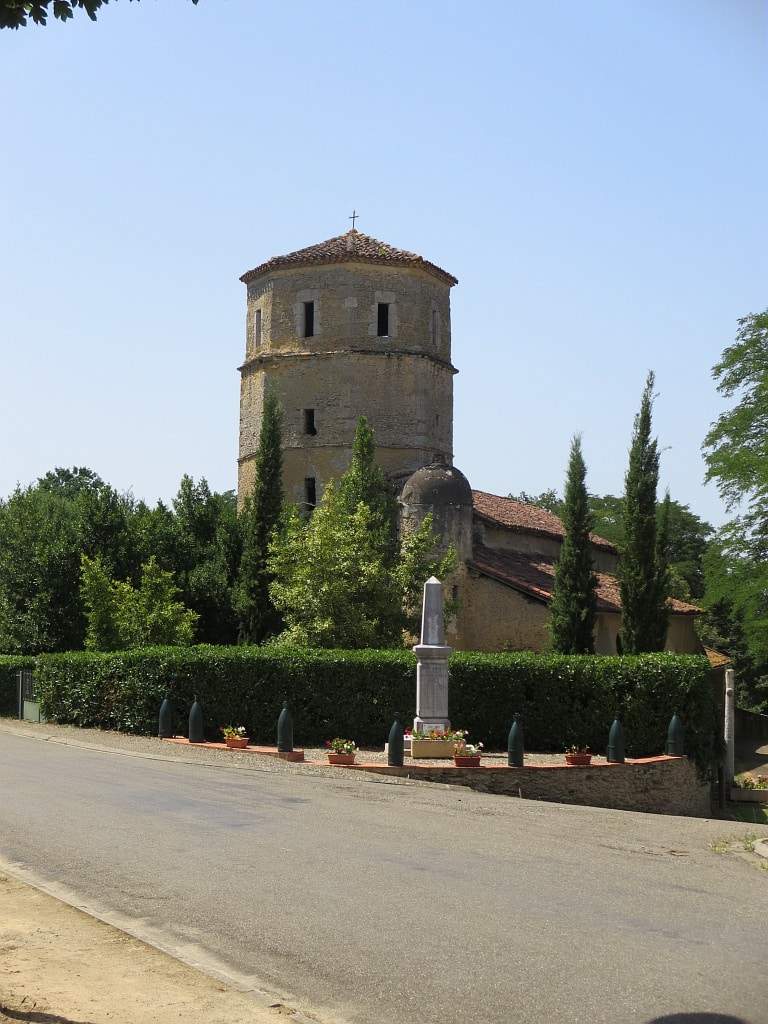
(661, 785)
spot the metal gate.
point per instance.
(29, 708)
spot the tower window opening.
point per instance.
(309, 422)
(257, 328)
(309, 319)
(435, 327)
(310, 493)
(382, 328)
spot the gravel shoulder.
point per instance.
(62, 966)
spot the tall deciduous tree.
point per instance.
(340, 577)
(736, 452)
(644, 610)
(574, 601)
(17, 13)
(257, 615)
(44, 530)
(206, 553)
(121, 616)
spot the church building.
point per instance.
(354, 327)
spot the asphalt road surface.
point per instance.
(374, 903)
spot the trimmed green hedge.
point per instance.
(9, 691)
(563, 699)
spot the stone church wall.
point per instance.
(533, 544)
(681, 634)
(406, 398)
(493, 617)
(402, 383)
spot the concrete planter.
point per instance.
(431, 748)
(749, 796)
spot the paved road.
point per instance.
(374, 903)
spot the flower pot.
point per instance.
(431, 748)
(466, 760)
(236, 742)
(341, 758)
(578, 758)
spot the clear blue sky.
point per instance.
(594, 173)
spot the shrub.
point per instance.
(563, 699)
(9, 687)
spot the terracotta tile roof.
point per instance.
(522, 518)
(351, 247)
(717, 659)
(535, 575)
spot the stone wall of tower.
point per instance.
(403, 383)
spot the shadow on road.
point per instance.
(36, 1017)
(698, 1018)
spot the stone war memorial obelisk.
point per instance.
(432, 667)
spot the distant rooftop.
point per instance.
(524, 518)
(353, 247)
(535, 575)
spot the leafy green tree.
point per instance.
(736, 446)
(644, 610)
(17, 13)
(364, 481)
(100, 601)
(550, 500)
(574, 601)
(258, 618)
(736, 453)
(419, 558)
(121, 616)
(663, 576)
(331, 582)
(206, 552)
(340, 578)
(44, 530)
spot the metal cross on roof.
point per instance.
(353, 218)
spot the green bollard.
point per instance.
(675, 737)
(165, 721)
(395, 753)
(285, 730)
(515, 744)
(196, 733)
(615, 752)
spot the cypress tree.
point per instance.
(574, 602)
(663, 575)
(365, 482)
(643, 607)
(257, 616)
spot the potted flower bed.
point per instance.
(578, 755)
(432, 744)
(466, 755)
(234, 737)
(750, 789)
(341, 751)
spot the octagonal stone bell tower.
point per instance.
(347, 328)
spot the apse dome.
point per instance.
(437, 485)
